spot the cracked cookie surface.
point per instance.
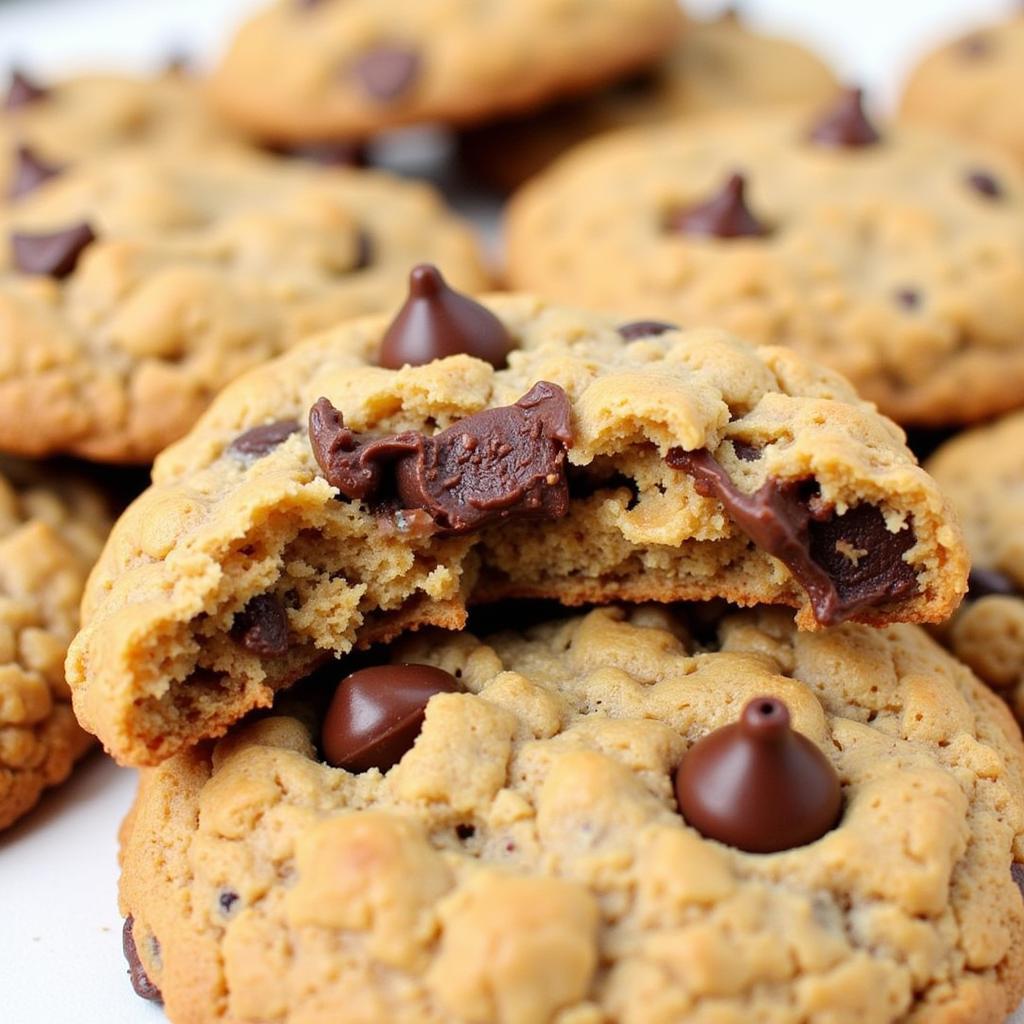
(651, 459)
(525, 861)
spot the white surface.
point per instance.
(60, 936)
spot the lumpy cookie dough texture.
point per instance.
(50, 536)
(901, 263)
(200, 269)
(358, 67)
(240, 510)
(971, 86)
(715, 66)
(525, 862)
(982, 471)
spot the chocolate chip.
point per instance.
(644, 329)
(465, 832)
(908, 298)
(725, 215)
(262, 627)
(985, 184)
(23, 91)
(265, 438)
(845, 124)
(501, 463)
(974, 46)
(136, 972)
(758, 785)
(52, 255)
(1017, 874)
(437, 321)
(984, 582)
(227, 900)
(376, 714)
(844, 563)
(336, 153)
(387, 71)
(30, 172)
(746, 452)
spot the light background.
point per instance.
(60, 933)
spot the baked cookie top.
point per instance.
(50, 535)
(330, 502)
(133, 287)
(971, 86)
(358, 67)
(526, 861)
(896, 258)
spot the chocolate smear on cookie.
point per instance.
(437, 321)
(265, 438)
(725, 215)
(23, 91)
(144, 988)
(262, 627)
(51, 255)
(30, 171)
(845, 125)
(501, 463)
(387, 71)
(844, 562)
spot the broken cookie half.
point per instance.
(325, 503)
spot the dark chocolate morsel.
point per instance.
(22, 91)
(644, 329)
(1017, 874)
(136, 972)
(985, 184)
(387, 71)
(507, 462)
(759, 785)
(845, 124)
(376, 714)
(746, 452)
(30, 172)
(725, 215)
(227, 900)
(437, 321)
(844, 563)
(262, 627)
(326, 154)
(51, 255)
(265, 438)
(984, 582)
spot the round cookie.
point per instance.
(897, 260)
(971, 86)
(50, 535)
(133, 287)
(982, 471)
(525, 862)
(717, 65)
(358, 67)
(325, 502)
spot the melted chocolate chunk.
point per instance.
(844, 563)
(985, 184)
(437, 321)
(262, 627)
(30, 172)
(725, 215)
(52, 255)
(387, 71)
(23, 91)
(759, 785)
(845, 125)
(265, 438)
(325, 154)
(984, 582)
(144, 988)
(501, 463)
(644, 329)
(377, 713)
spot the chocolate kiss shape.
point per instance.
(845, 124)
(376, 714)
(437, 321)
(725, 215)
(757, 784)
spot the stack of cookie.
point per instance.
(561, 656)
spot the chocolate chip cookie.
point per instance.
(972, 85)
(133, 287)
(322, 69)
(535, 849)
(894, 255)
(50, 535)
(982, 471)
(325, 502)
(716, 65)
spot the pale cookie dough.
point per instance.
(201, 268)
(525, 862)
(901, 264)
(308, 69)
(973, 85)
(226, 528)
(50, 535)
